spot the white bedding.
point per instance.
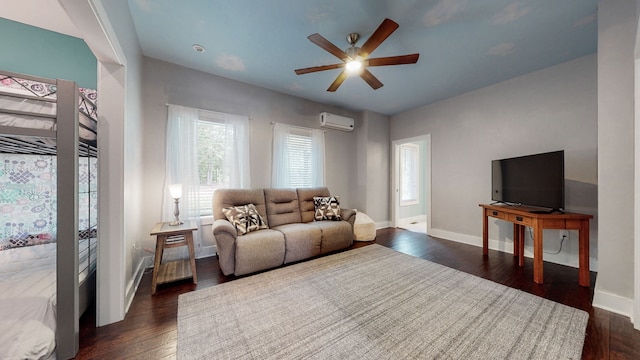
(28, 302)
(30, 339)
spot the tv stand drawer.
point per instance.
(520, 219)
(497, 214)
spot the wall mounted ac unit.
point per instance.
(333, 121)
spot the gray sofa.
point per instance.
(292, 234)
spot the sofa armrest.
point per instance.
(225, 236)
(348, 215)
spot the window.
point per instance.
(409, 174)
(210, 148)
(206, 150)
(298, 157)
(300, 160)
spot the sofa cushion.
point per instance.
(223, 198)
(259, 250)
(245, 218)
(282, 206)
(301, 241)
(336, 235)
(305, 198)
(327, 208)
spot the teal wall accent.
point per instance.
(31, 50)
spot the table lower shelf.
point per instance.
(173, 271)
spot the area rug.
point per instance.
(373, 303)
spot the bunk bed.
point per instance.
(48, 214)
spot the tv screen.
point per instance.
(534, 180)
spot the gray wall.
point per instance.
(373, 160)
(616, 41)
(168, 83)
(551, 109)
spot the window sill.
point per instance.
(409, 203)
(206, 220)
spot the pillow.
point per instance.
(25, 239)
(244, 218)
(327, 208)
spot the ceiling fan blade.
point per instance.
(393, 60)
(318, 68)
(338, 81)
(328, 46)
(370, 79)
(383, 31)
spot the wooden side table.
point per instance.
(168, 236)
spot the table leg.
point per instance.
(192, 257)
(160, 239)
(521, 246)
(485, 233)
(583, 254)
(516, 239)
(537, 253)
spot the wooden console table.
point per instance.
(168, 236)
(521, 217)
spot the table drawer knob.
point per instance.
(519, 218)
(495, 213)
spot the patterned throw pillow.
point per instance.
(327, 208)
(245, 218)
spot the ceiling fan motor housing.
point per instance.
(353, 50)
(353, 38)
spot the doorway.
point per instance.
(411, 185)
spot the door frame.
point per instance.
(395, 178)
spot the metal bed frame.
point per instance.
(72, 296)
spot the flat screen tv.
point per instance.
(534, 180)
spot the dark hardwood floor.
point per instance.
(149, 328)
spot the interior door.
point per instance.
(411, 183)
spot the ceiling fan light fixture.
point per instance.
(354, 66)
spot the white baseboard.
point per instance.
(507, 246)
(612, 302)
(383, 224)
(207, 251)
(417, 218)
(461, 238)
(132, 286)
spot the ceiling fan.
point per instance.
(355, 60)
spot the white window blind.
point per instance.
(300, 160)
(298, 157)
(210, 145)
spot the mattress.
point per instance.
(26, 340)
(28, 302)
(45, 108)
(28, 284)
(28, 298)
